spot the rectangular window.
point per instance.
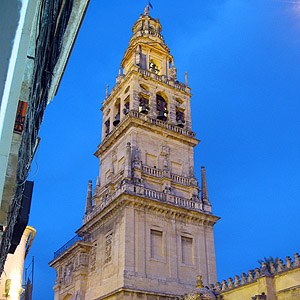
(187, 250)
(156, 244)
(108, 247)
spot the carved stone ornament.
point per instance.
(250, 276)
(297, 260)
(93, 258)
(173, 73)
(280, 265)
(67, 278)
(164, 150)
(244, 278)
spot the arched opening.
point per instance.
(162, 107)
(154, 66)
(117, 113)
(144, 104)
(180, 118)
(107, 127)
(127, 89)
(68, 297)
(126, 106)
(144, 87)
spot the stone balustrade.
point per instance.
(154, 121)
(160, 123)
(132, 189)
(180, 179)
(265, 270)
(159, 173)
(152, 171)
(163, 79)
(186, 203)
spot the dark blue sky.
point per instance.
(243, 61)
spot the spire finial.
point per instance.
(88, 204)
(120, 71)
(186, 80)
(107, 91)
(204, 193)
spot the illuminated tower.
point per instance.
(146, 231)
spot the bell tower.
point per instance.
(147, 230)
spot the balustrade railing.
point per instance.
(152, 171)
(148, 193)
(185, 202)
(152, 194)
(161, 78)
(180, 179)
(161, 123)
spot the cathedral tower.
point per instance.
(147, 231)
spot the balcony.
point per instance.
(162, 124)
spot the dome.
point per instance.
(200, 294)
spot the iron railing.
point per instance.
(67, 245)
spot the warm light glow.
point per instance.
(15, 287)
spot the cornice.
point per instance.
(76, 247)
(165, 209)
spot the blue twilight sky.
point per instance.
(243, 61)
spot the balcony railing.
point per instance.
(162, 78)
(161, 123)
(152, 171)
(180, 179)
(67, 245)
(131, 189)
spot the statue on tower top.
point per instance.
(147, 10)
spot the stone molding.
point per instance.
(138, 202)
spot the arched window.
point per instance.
(162, 108)
(126, 106)
(144, 104)
(107, 127)
(153, 67)
(117, 113)
(180, 120)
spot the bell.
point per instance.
(117, 120)
(180, 123)
(162, 115)
(126, 111)
(144, 109)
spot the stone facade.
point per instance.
(147, 230)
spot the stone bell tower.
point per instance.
(147, 231)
